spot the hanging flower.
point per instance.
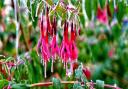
(102, 15)
(54, 45)
(64, 49)
(43, 43)
(73, 49)
(72, 46)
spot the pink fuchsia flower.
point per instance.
(64, 49)
(111, 52)
(43, 43)
(73, 49)
(45, 50)
(72, 46)
(102, 15)
(54, 45)
(9, 86)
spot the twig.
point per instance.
(51, 83)
(70, 82)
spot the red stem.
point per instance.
(70, 82)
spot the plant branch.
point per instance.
(71, 82)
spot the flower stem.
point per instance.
(71, 82)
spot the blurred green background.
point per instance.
(102, 48)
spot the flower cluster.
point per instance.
(49, 47)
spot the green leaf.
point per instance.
(94, 6)
(102, 3)
(28, 4)
(74, 2)
(1, 4)
(35, 22)
(56, 83)
(55, 1)
(61, 11)
(49, 2)
(82, 19)
(33, 8)
(120, 11)
(78, 73)
(9, 59)
(34, 11)
(3, 83)
(99, 84)
(77, 86)
(88, 8)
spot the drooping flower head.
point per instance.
(102, 15)
(73, 50)
(54, 45)
(64, 50)
(72, 46)
(43, 42)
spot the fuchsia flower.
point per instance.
(54, 45)
(73, 49)
(43, 43)
(102, 15)
(68, 50)
(64, 50)
(72, 46)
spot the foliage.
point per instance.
(103, 48)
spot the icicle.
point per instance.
(45, 67)
(52, 66)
